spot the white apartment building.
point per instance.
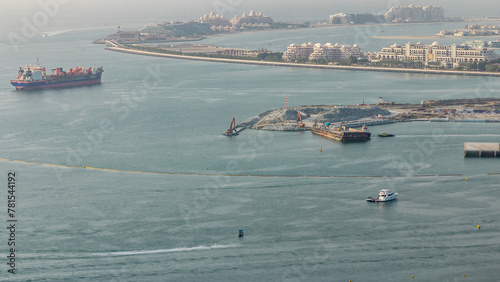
(453, 54)
(295, 52)
(327, 52)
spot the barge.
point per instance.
(341, 134)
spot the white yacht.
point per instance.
(385, 195)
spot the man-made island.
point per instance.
(473, 30)
(216, 24)
(207, 25)
(305, 117)
(392, 61)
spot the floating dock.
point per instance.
(482, 150)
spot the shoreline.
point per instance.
(283, 64)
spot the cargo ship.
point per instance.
(341, 134)
(35, 77)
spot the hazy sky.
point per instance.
(125, 12)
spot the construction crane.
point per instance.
(232, 129)
(382, 102)
(299, 120)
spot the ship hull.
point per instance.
(44, 84)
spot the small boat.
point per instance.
(384, 195)
(240, 233)
(383, 134)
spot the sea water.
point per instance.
(299, 197)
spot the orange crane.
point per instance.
(299, 120)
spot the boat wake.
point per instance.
(57, 32)
(174, 250)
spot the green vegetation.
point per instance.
(271, 57)
(350, 61)
(151, 49)
(319, 62)
(388, 63)
(363, 62)
(489, 66)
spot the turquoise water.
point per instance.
(82, 224)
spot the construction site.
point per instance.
(303, 118)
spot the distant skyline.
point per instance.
(118, 12)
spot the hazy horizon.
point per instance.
(115, 12)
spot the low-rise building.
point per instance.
(342, 18)
(447, 55)
(326, 52)
(476, 43)
(495, 43)
(239, 52)
(126, 36)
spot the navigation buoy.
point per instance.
(464, 275)
(321, 150)
(412, 276)
(478, 226)
(467, 179)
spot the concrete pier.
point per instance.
(482, 149)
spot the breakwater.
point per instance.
(283, 64)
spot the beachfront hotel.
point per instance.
(414, 14)
(327, 52)
(214, 20)
(251, 19)
(449, 56)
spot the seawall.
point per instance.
(282, 64)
